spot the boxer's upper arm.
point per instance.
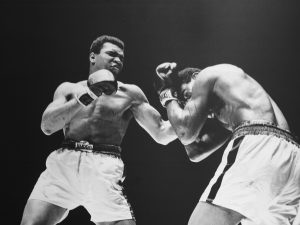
(59, 97)
(62, 93)
(189, 121)
(150, 119)
(55, 116)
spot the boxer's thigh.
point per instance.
(208, 214)
(41, 212)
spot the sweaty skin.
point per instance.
(103, 121)
(106, 119)
(231, 96)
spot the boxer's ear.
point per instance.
(92, 58)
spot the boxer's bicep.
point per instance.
(151, 120)
(61, 95)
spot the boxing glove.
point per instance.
(100, 82)
(166, 76)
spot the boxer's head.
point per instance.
(185, 83)
(107, 52)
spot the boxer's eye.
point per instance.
(187, 95)
(111, 54)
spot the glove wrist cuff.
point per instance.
(86, 97)
(166, 96)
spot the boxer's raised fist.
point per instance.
(99, 82)
(165, 69)
(166, 75)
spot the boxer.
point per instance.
(87, 170)
(258, 179)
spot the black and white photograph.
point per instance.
(150, 112)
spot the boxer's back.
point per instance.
(244, 99)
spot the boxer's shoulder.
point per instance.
(65, 87)
(82, 82)
(68, 88)
(69, 85)
(129, 88)
(132, 91)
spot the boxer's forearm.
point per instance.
(166, 133)
(56, 117)
(199, 150)
(182, 123)
(212, 136)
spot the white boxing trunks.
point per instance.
(259, 176)
(77, 175)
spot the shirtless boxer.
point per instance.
(258, 179)
(87, 170)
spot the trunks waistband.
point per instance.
(263, 128)
(85, 146)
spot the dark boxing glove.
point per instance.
(102, 81)
(104, 87)
(165, 82)
(166, 76)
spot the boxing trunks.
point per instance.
(259, 175)
(82, 174)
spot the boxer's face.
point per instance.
(186, 90)
(110, 57)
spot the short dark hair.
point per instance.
(186, 75)
(97, 44)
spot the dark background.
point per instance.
(45, 43)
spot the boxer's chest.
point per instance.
(110, 107)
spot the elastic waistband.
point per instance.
(85, 146)
(263, 128)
